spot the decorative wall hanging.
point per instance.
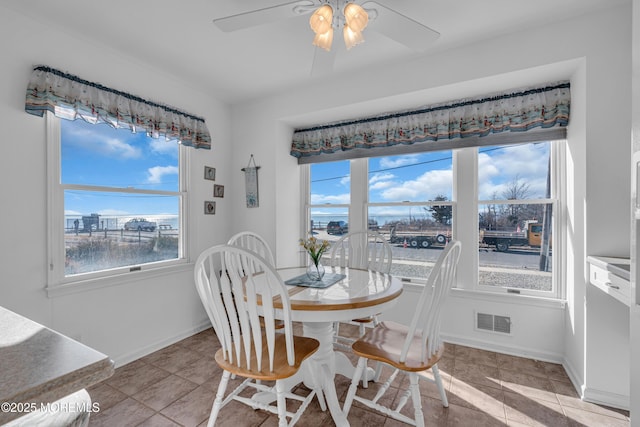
(218, 190)
(251, 183)
(209, 173)
(209, 208)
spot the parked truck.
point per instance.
(502, 240)
(418, 238)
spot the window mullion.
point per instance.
(55, 203)
(465, 224)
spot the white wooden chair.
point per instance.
(364, 250)
(411, 349)
(253, 242)
(251, 348)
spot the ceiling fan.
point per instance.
(382, 19)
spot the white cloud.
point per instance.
(376, 177)
(156, 173)
(162, 146)
(425, 187)
(381, 185)
(106, 146)
(498, 169)
(395, 161)
(318, 199)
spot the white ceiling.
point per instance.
(180, 38)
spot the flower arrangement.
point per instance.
(315, 248)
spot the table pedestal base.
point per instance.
(322, 367)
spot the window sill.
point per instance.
(528, 300)
(520, 299)
(115, 280)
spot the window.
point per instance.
(516, 198)
(117, 200)
(330, 198)
(410, 203)
(507, 211)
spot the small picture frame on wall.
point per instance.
(210, 173)
(209, 207)
(218, 190)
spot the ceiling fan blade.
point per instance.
(261, 16)
(323, 61)
(401, 28)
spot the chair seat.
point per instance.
(304, 347)
(384, 343)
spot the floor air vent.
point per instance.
(493, 323)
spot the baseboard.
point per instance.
(512, 350)
(575, 377)
(606, 398)
(596, 396)
(141, 352)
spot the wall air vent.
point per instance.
(493, 323)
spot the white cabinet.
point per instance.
(611, 275)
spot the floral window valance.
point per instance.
(518, 110)
(70, 97)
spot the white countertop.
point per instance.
(39, 365)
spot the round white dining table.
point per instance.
(361, 293)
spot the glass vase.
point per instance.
(315, 272)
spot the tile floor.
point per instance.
(175, 386)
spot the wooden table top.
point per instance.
(39, 365)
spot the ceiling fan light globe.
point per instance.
(351, 37)
(324, 40)
(356, 17)
(322, 19)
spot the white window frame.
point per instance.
(465, 215)
(556, 200)
(57, 282)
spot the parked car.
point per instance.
(140, 224)
(337, 227)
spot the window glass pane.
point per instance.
(412, 177)
(515, 239)
(121, 198)
(107, 230)
(329, 224)
(416, 233)
(419, 231)
(103, 156)
(513, 172)
(330, 183)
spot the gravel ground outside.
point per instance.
(499, 277)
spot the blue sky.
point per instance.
(422, 177)
(103, 156)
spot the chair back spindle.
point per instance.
(254, 243)
(363, 250)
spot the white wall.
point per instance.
(634, 315)
(592, 50)
(142, 313)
